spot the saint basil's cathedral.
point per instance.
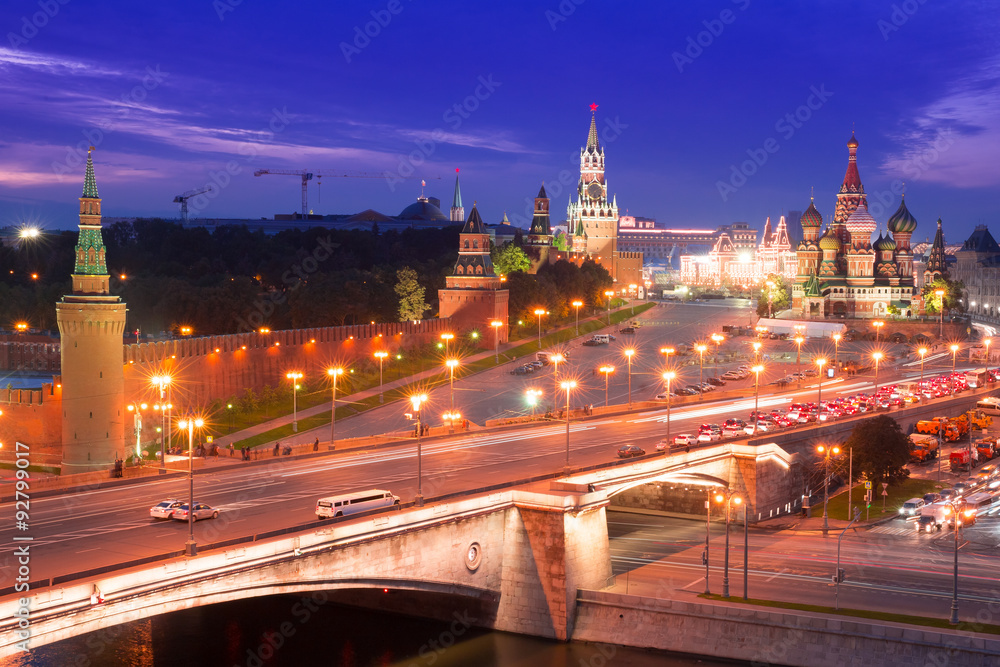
(843, 273)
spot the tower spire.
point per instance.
(457, 210)
(89, 182)
(592, 140)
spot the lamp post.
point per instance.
(629, 353)
(451, 364)
(821, 362)
(496, 324)
(756, 396)
(190, 548)
(954, 596)
(380, 355)
(416, 401)
(447, 338)
(717, 339)
(877, 356)
(668, 377)
(137, 409)
(878, 324)
(940, 295)
(922, 352)
(798, 356)
(954, 353)
(632, 294)
(746, 547)
(701, 347)
(568, 385)
(728, 496)
(532, 396)
(827, 452)
(539, 312)
(607, 370)
(162, 382)
(708, 534)
(334, 373)
(756, 350)
(609, 294)
(294, 376)
(577, 304)
(555, 360)
(770, 299)
(836, 351)
(987, 342)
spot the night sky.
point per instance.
(687, 92)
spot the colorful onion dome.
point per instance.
(884, 243)
(901, 221)
(812, 217)
(829, 241)
(861, 221)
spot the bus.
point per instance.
(980, 502)
(989, 406)
(352, 503)
(976, 379)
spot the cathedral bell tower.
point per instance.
(592, 216)
(91, 329)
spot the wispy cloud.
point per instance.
(51, 63)
(953, 140)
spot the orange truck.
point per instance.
(987, 448)
(923, 448)
(960, 460)
(947, 428)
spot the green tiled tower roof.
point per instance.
(89, 182)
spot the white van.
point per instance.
(352, 503)
(989, 405)
(604, 339)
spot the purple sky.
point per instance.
(172, 92)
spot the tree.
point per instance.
(953, 290)
(773, 299)
(881, 450)
(411, 295)
(509, 258)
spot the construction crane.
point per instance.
(183, 201)
(307, 176)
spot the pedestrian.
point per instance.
(277, 448)
(230, 450)
(316, 445)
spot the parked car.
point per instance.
(686, 391)
(627, 330)
(165, 509)
(718, 382)
(592, 343)
(201, 511)
(630, 451)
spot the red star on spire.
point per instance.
(456, 170)
(593, 107)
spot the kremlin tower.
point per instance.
(91, 326)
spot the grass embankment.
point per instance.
(864, 613)
(416, 365)
(898, 494)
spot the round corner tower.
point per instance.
(91, 326)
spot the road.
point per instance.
(888, 568)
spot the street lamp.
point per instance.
(836, 350)
(607, 370)
(628, 355)
(798, 355)
(922, 352)
(668, 377)
(416, 401)
(877, 356)
(294, 376)
(609, 294)
(496, 324)
(334, 373)
(827, 452)
(190, 548)
(136, 425)
(632, 294)
(555, 360)
(451, 364)
(770, 299)
(821, 362)
(539, 312)
(756, 396)
(577, 304)
(940, 295)
(532, 397)
(987, 342)
(958, 524)
(447, 338)
(756, 350)
(380, 355)
(729, 495)
(701, 347)
(717, 339)
(954, 353)
(878, 324)
(568, 385)
(162, 382)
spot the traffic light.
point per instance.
(840, 575)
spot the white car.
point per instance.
(685, 439)
(165, 509)
(710, 436)
(762, 427)
(733, 431)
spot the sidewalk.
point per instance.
(223, 441)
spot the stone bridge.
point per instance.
(513, 559)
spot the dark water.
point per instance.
(302, 631)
